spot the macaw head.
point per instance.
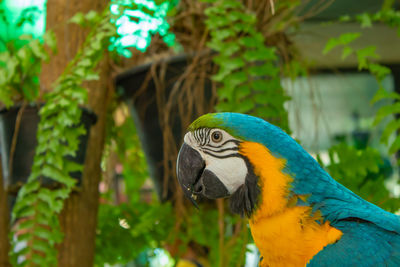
(213, 163)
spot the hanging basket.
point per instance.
(17, 169)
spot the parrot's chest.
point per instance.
(284, 233)
(290, 238)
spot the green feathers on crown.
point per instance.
(207, 120)
(213, 120)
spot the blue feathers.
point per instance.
(371, 236)
(363, 244)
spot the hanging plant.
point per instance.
(248, 73)
(35, 214)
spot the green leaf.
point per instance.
(43, 233)
(260, 54)
(245, 106)
(24, 57)
(218, 22)
(223, 34)
(251, 41)
(91, 76)
(229, 49)
(50, 39)
(242, 92)
(45, 195)
(85, 62)
(29, 94)
(71, 166)
(78, 18)
(217, 45)
(80, 71)
(226, 93)
(235, 79)
(364, 54)
(229, 63)
(390, 128)
(347, 51)
(331, 44)
(383, 94)
(344, 18)
(228, 4)
(11, 67)
(379, 71)
(249, 18)
(220, 76)
(395, 146)
(223, 107)
(29, 187)
(25, 201)
(42, 246)
(23, 212)
(92, 16)
(38, 50)
(386, 111)
(343, 39)
(61, 193)
(25, 224)
(263, 70)
(234, 15)
(260, 85)
(243, 28)
(365, 20)
(57, 175)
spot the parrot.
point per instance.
(297, 213)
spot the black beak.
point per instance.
(189, 167)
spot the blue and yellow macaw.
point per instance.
(298, 214)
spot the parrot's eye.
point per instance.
(216, 136)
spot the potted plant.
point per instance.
(62, 125)
(19, 115)
(20, 103)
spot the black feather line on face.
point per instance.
(237, 142)
(245, 199)
(221, 150)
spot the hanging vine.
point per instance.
(248, 69)
(368, 60)
(35, 214)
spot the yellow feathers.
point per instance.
(273, 182)
(285, 234)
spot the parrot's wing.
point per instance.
(337, 203)
(362, 244)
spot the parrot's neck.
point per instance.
(282, 231)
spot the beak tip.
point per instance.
(188, 167)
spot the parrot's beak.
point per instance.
(195, 179)
(189, 167)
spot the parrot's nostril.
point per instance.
(198, 185)
(198, 188)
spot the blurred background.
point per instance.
(325, 71)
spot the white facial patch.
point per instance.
(230, 171)
(221, 158)
(189, 139)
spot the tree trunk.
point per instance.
(79, 217)
(4, 243)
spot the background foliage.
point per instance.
(247, 79)
(367, 178)
(21, 58)
(248, 69)
(147, 224)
